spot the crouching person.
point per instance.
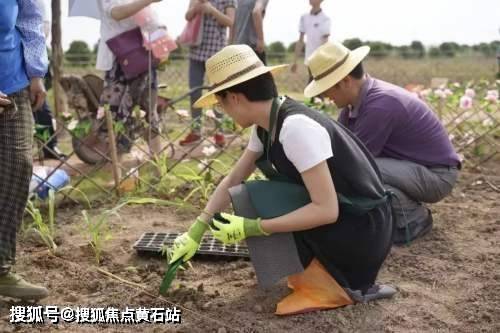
(322, 218)
(411, 147)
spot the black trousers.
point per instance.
(43, 117)
(352, 249)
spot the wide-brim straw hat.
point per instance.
(329, 64)
(232, 65)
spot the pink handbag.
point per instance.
(160, 43)
(155, 35)
(192, 34)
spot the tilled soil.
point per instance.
(448, 281)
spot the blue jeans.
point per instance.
(196, 77)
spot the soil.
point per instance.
(448, 281)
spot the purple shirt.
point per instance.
(393, 123)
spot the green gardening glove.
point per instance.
(186, 245)
(232, 229)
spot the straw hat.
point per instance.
(329, 64)
(230, 66)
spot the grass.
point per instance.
(44, 228)
(393, 69)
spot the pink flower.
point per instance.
(66, 115)
(465, 102)
(425, 92)
(209, 150)
(470, 93)
(72, 124)
(210, 113)
(203, 164)
(492, 96)
(448, 92)
(183, 113)
(100, 113)
(440, 93)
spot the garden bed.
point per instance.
(449, 280)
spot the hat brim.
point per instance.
(209, 99)
(317, 87)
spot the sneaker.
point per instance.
(191, 138)
(12, 285)
(220, 140)
(415, 230)
(54, 154)
(377, 291)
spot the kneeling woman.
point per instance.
(323, 218)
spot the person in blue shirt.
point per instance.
(23, 65)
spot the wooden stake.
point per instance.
(57, 60)
(112, 149)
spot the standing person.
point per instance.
(315, 27)
(218, 17)
(299, 222)
(43, 117)
(120, 93)
(23, 63)
(249, 26)
(411, 147)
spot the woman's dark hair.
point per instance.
(260, 88)
(358, 71)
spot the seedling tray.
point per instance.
(151, 243)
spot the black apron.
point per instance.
(351, 249)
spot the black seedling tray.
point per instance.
(152, 243)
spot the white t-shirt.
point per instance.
(306, 143)
(110, 28)
(316, 28)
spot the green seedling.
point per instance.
(44, 229)
(97, 231)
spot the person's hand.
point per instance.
(207, 7)
(232, 229)
(186, 245)
(260, 47)
(4, 99)
(294, 68)
(37, 93)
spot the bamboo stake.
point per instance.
(112, 148)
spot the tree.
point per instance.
(405, 51)
(417, 49)
(96, 48)
(434, 52)
(449, 49)
(379, 49)
(276, 51)
(277, 47)
(78, 53)
(352, 43)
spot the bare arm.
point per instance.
(125, 11)
(226, 19)
(195, 7)
(322, 210)
(220, 199)
(257, 16)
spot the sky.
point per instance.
(395, 21)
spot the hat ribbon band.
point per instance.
(332, 69)
(237, 75)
